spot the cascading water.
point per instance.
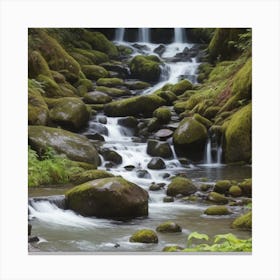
(208, 152)
(213, 151)
(179, 35)
(119, 37)
(144, 35)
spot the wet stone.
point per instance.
(143, 174)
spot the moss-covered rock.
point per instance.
(87, 57)
(114, 92)
(204, 70)
(74, 146)
(243, 221)
(50, 87)
(205, 187)
(108, 197)
(217, 198)
(89, 175)
(145, 68)
(167, 95)
(246, 187)
(168, 199)
(235, 191)
(181, 185)
(217, 210)
(95, 72)
(163, 114)
(110, 82)
(144, 236)
(181, 87)
(211, 112)
(100, 43)
(38, 111)
(189, 138)
(168, 227)
(134, 106)
(111, 155)
(153, 125)
(159, 149)
(97, 97)
(70, 112)
(202, 120)
(173, 248)
(238, 136)
(137, 85)
(222, 186)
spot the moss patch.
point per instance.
(144, 236)
(243, 222)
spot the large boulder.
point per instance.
(97, 97)
(181, 185)
(156, 163)
(89, 175)
(110, 82)
(74, 146)
(181, 87)
(189, 139)
(145, 68)
(162, 114)
(243, 221)
(134, 106)
(159, 149)
(95, 72)
(108, 198)
(70, 112)
(238, 136)
(217, 198)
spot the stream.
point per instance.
(62, 230)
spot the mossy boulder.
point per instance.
(153, 125)
(181, 87)
(202, 120)
(100, 43)
(144, 236)
(163, 114)
(112, 197)
(168, 199)
(70, 112)
(110, 82)
(173, 248)
(137, 85)
(156, 163)
(217, 198)
(145, 68)
(181, 185)
(128, 122)
(74, 146)
(238, 136)
(87, 57)
(159, 149)
(189, 138)
(113, 92)
(235, 191)
(38, 111)
(97, 97)
(168, 227)
(222, 186)
(134, 106)
(50, 87)
(95, 72)
(246, 187)
(89, 175)
(243, 221)
(217, 210)
(111, 155)
(167, 95)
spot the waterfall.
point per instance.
(213, 151)
(119, 34)
(179, 35)
(144, 35)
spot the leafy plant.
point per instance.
(51, 169)
(222, 243)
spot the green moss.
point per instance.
(168, 227)
(145, 68)
(222, 186)
(114, 92)
(211, 112)
(163, 114)
(96, 97)
(246, 187)
(37, 108)
(110, 82)
(238, 142)
(137, 85)
(95, 72)
(37, 65)
(217, 198)
(167, 95)
(217, 210)
(204, 70)
(181, 185)
(51, 88)
(174, 248)
(181, 87)
(189, 131)
(89, 175)
(235, 191)
(85, 57)
(243, 222)
(144, 236)
(100, 43)
(202, 120)
(134, 106)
